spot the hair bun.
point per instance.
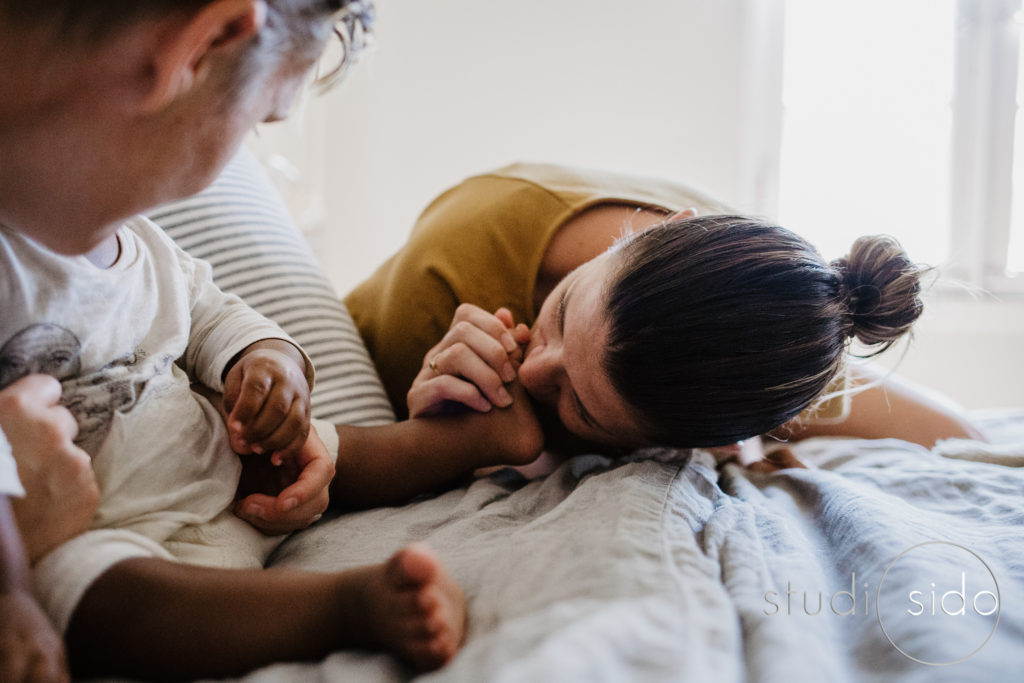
(881, 289)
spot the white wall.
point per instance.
(968, 347)
(662, 87)
(456, 87)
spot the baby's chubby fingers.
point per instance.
(244, 395)
(259, 390)
(281, 432)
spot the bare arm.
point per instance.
(893, 409)
(589, 235)
(391, 463)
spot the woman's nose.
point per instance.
(539, 373)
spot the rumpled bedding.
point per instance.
(668, 566)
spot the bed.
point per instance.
(882, 561)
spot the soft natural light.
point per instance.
(867, 120)
(1015, 255)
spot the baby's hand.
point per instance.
(266, 397)
(279, 499)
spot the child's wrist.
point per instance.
(288, 349)
(281, 346)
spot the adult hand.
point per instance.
(61, 490)
(472, 363)
(30, 649)
(266, 396)
(277, 499)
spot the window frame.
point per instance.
(984, 106)
(981, 175)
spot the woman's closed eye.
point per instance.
(577, 405)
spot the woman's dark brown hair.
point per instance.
(725, 327)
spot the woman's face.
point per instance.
(562, 368)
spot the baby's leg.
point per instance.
(151, 618)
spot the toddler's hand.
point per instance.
(279, 499)
(266, 397)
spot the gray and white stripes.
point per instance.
(241, 227)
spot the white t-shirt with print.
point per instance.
(127, 342)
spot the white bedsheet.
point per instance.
(651, 571)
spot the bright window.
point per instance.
(899, 117)
(867, 87)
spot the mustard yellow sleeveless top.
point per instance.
(482, 242)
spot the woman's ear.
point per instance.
(186, 44)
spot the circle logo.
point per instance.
(938, 603)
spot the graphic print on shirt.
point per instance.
(40, 349)
(92, 398)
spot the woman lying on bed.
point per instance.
(703, 331)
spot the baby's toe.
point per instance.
(429, 600)
(414, 565)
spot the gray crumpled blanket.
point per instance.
(666, 567)
(649, 570)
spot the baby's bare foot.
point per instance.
(415, 608)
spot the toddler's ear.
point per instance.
(188, 43)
